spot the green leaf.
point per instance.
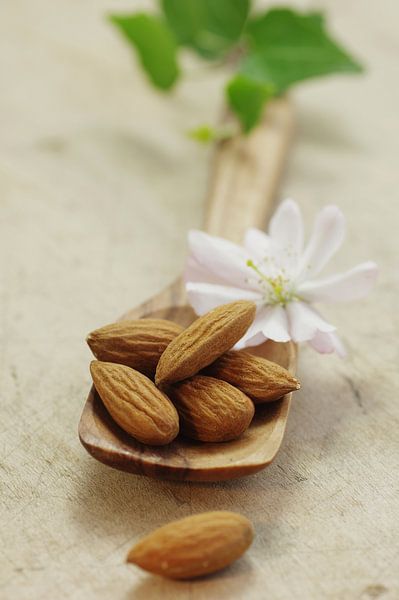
(287, 47)
(185, 17)
(247, 98)
(155, 45)
(226, 18)
(210, 27)
(203, 134)
(206, 134)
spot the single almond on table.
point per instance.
(260, 379)
(204, 341)
(135, 403)
(211, 410)
(138, 344)
(194, 546)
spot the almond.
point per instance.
(260, 379)
(135, 403)
(211, 410)
(194, 546)
(204, 341)
(137, 344)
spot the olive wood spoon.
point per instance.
(246, 171)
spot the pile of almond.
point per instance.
(156, 378)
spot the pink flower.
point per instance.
(278, 273)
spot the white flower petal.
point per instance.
(352, 285)
(286, 227)
(194, 272)
(257, 243)
(325, 343)
(275, 326)
(221, 257)
(305, 322)
(274, 323)
(339, 346)
(321, 342)
(206, 296)
(254, 332)
(270, 322)
(328, 234)
(246, 342)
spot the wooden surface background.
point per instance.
(98, 187)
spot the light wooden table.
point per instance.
(98, 187)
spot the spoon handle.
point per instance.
(243, 185)
(246, 173)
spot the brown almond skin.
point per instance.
(260, 379)
(204, 341)
(138, 343)
(194, 546)
(211, 410)
(135, 403)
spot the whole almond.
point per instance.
(138, 344)
(135, 403)
(204, 341)
(194, 546)
(260, 379)
(211, 410)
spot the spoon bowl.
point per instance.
(185, 459)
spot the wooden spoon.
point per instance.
(245, 176)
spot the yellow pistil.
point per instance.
(277, 291)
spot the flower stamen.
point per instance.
(277, 290)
